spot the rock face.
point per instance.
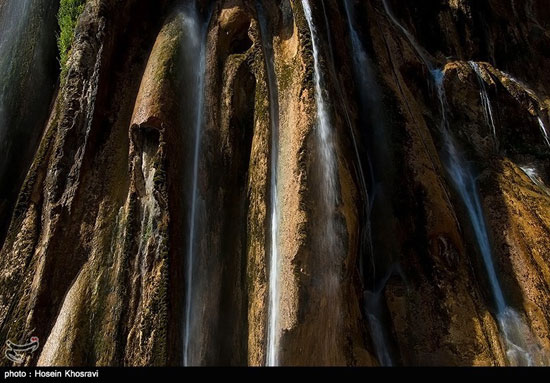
(136, 242)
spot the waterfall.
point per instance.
(465, 183)
(361, 173)
(14, 18)
(378, 329)
(366, 235)
(544, 131)
(327, 249)
(531, 172)
(375, 320)
(370, 100)
(485, 101)
(28, 72)
(419, 50)
(531, 93)
(194, 40)
(273, 331)
(521, 347)
(323, 129)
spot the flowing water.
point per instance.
(419, 50)
(273, 331)
(465, 183)
(366, 230)
(323, 129)
(533, 174)
(370, 100)
(377, 327)
(544, 131)
(28, 74)
(485, 100)
(521, 347)
(375, 317)
(194, 41)
(360, 171)
(530, 92)
(329, 253)
(13, 20)
(540, 122)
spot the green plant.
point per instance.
(67, 17)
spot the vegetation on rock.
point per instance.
(69, 12)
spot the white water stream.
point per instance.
(194, 41)
(521, 347)
(273, 330)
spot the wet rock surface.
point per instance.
(96, 263)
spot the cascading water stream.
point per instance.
(369, 95)
(465, 184)
(377, 327)
(485, 100)
(375, 317)
(361, 173)
(13, 20)
(531, 172)
(542, 126)
(273, 334)
(366, 237)
(544, 131)
(521, 347)
(28, 74)
(195, 71)
(419, 50)
(325, 136)
(328, 251)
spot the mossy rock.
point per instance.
(67, 17)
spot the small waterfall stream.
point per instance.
(466, 185)
(418, 49)
(194, 71)
(540, 122)
(326, 241)
(521, 347)
(28, 74)
(324, 131)
(532, 172)
(366, 230)
(274, 269)
(544, 131)
(485, 101)
(369, 95)
(13, 20)
(360, 171)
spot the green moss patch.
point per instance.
(67, 17)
